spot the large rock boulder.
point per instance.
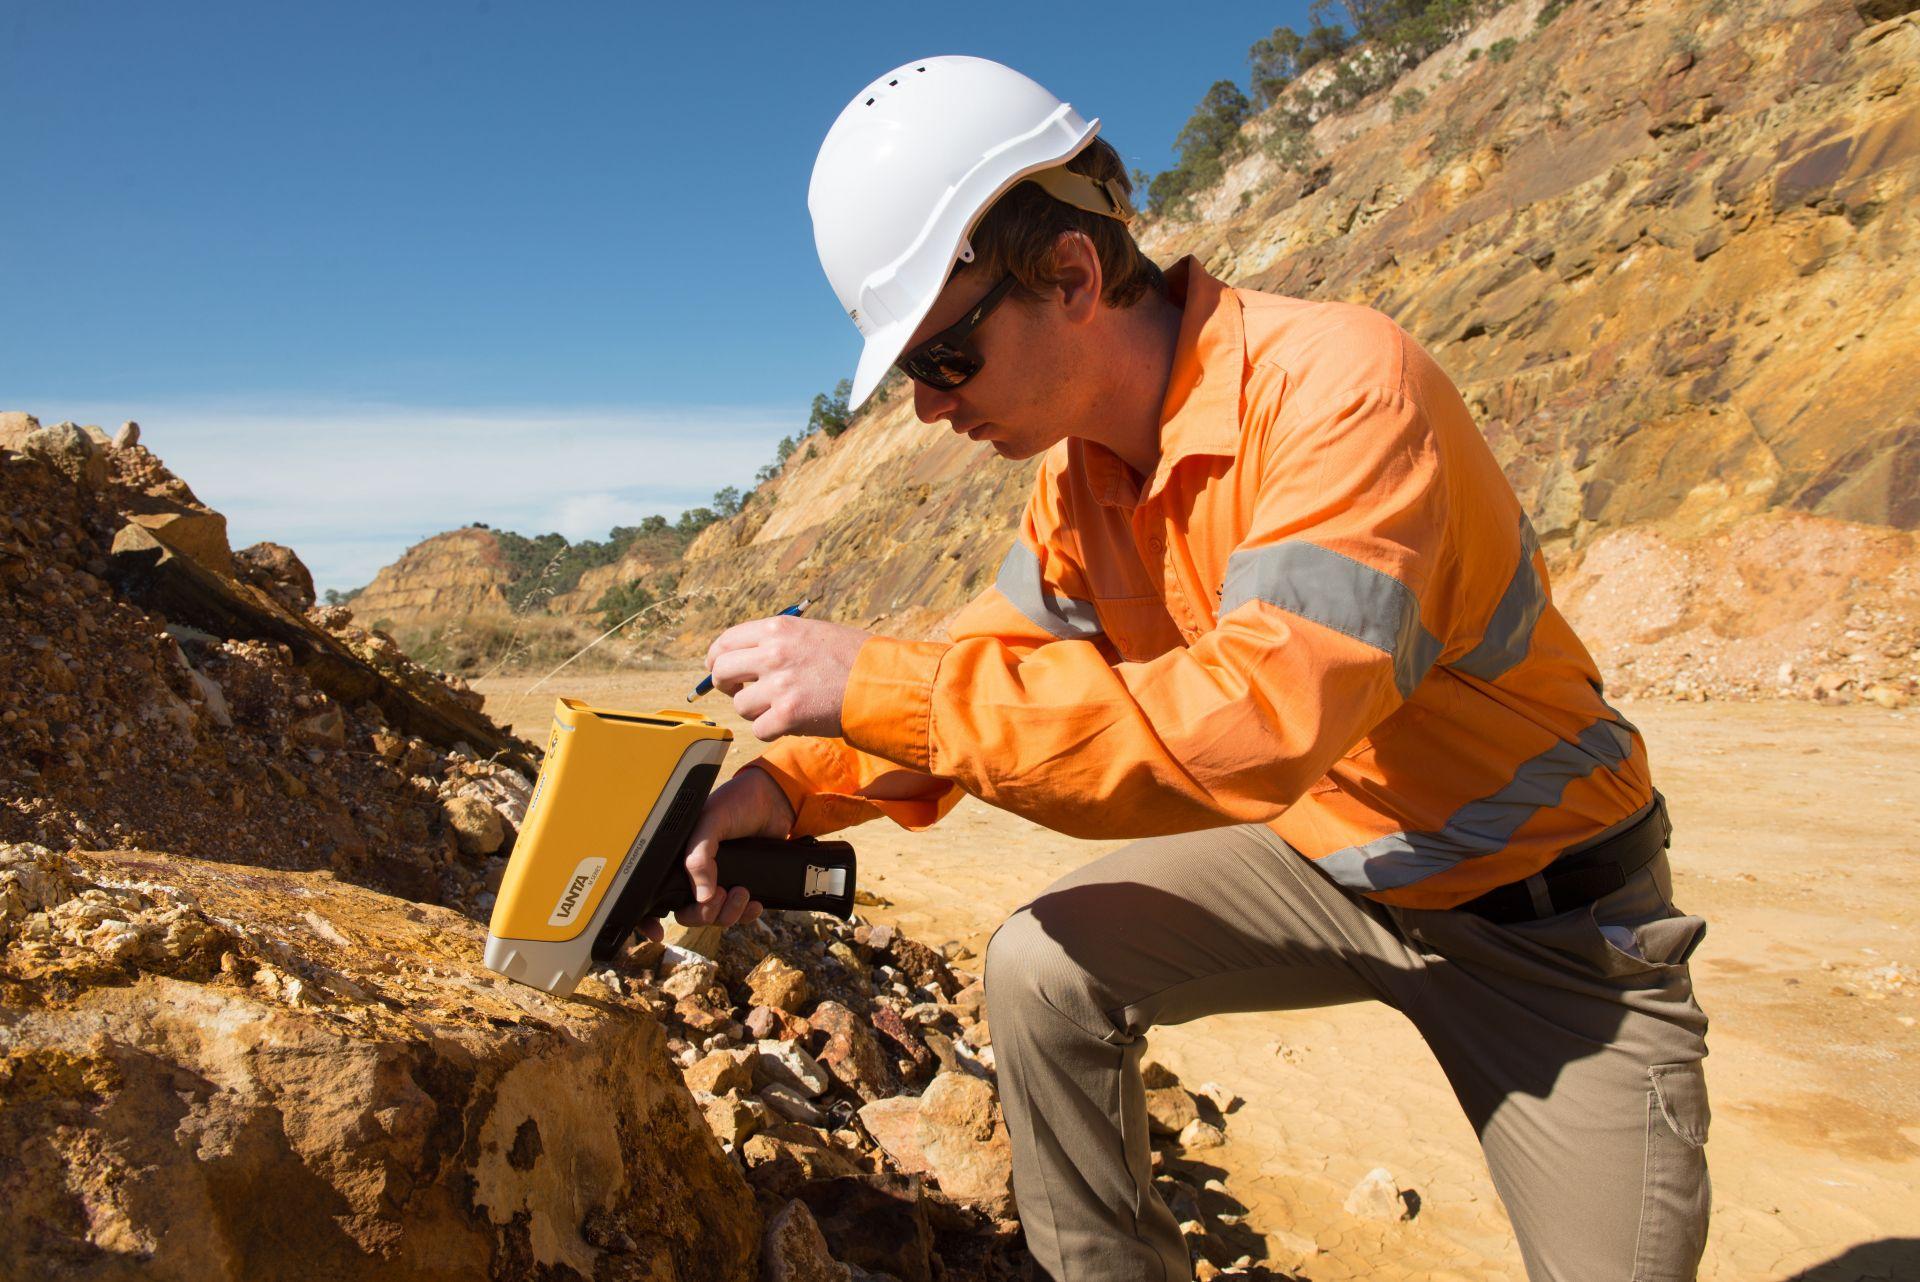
(15, 427)
(277, 570)
(214, 1073)
(200, 535)
(70, 451)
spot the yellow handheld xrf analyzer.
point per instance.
(604, 843)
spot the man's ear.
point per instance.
(1076, 269)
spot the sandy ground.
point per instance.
(1797, 830)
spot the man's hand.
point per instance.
(748, 805)
(787, 675)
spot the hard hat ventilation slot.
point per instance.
(869, 102)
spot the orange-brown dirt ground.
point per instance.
(1795, 835)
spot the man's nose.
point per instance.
(931, 405)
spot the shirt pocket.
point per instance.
(1138, 627)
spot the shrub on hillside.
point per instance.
(620, 603)
(1288, 143)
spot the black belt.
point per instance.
(1580, 875)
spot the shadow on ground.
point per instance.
(1894, 1259)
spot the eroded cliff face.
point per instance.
(1665, 251)
(454, 575)
(892, 526)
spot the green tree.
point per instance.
(1215, 122)
(1324, 39)
(1274, 61)
(694, 520)
(830, 414)
(727, 502)
(1203, 144)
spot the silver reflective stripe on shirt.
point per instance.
(1485, 826)
(1337, 592)
(1509, 632)
(1021, 582)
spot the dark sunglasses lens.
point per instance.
(941, 365)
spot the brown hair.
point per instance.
(1019, 232)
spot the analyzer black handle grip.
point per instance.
(799, 873)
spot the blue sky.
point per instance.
(364, 272)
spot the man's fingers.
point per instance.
(704, 869)
(654, 930)
(750, 702)
(736, 904)
(736, 669)
(767, 724)
(739, 636)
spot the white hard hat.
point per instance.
(907, 170)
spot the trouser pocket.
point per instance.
(1677, 1194)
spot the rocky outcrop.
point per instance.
(149, 701)
(455, 575)
(1665, 251)
(278, 1074)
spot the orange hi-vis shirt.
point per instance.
(1325, 612)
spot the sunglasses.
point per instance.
(945, 361)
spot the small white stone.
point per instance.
(1200, 1135)
(1220, 1097)
(786, 1064)
(1377, 1197)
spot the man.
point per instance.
(1274, 609)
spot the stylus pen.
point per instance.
(706, 682)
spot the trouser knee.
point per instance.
(1031, 978)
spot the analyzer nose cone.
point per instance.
(522, 961)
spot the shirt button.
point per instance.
(1157, 544)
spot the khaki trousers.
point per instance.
(1573, 1043)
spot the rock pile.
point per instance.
(160, 692)
(850, 1069)
(1784, 606)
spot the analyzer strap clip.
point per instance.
(825, 881)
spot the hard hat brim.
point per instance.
(882, 348)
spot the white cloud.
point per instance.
(350, 487)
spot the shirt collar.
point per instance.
(1201, 411)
